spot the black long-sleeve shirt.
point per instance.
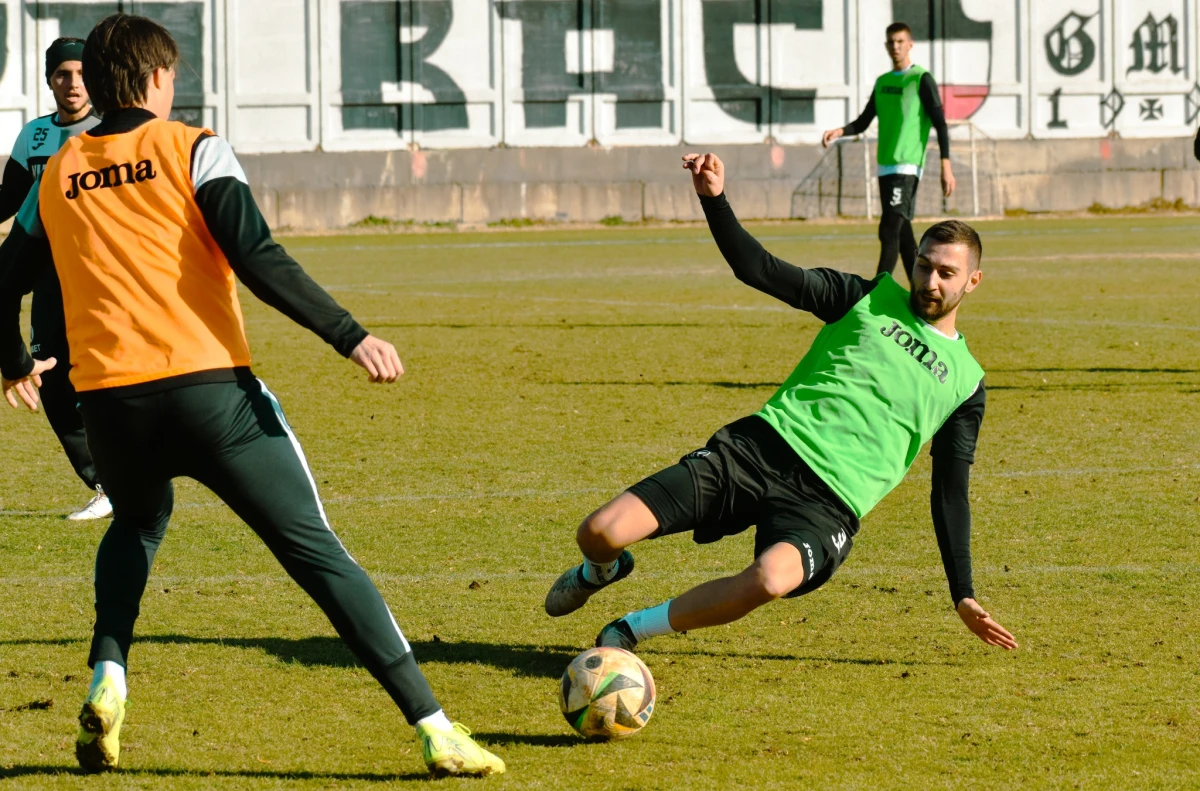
(232, 217)
(829, 295)
(14, 189)
(931, 100)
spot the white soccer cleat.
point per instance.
(97, 508)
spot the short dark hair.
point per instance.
(120, 55)
(956, 232)
(898, 27)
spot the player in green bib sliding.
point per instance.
(886, 374)
(908, 105)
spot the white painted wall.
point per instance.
(295, 75)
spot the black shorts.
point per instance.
(898, 195)
(748, 475)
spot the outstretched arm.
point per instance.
(855, 127)
(238, 227)
(826, 293)
(953, 453)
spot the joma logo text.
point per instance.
(919, 351)
(111, 176)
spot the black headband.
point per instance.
(61, 51)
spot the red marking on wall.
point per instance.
(777, 157)
(1105, 150)
(419, 165)
(962, 101)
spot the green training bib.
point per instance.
(903, 123)
(874, 387)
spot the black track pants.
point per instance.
(233, 438)
(59, 403)
(898, 197)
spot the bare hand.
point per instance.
(708, 174)
(379, 358)
(27, 387)
(832, 135)
(983, 626)
(948, 182)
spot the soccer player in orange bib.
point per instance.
(150, 224)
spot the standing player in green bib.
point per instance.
(907, 103)
(888, 373)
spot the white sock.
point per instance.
(438, 720)
(599, 573)
(650, 622)
(113, 671)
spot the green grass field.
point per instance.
(547, 370)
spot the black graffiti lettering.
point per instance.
(1110, 107)
(1056, 122)
(185, 21)
(1070, 50)
(940, 19)
(636, 77)
(742, 98)
(374, 53)
(1155, 46)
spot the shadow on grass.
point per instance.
(1096, 387)
(651, 383)
(549, 326)
(43, 770)
(536, 661)
(530, 739)
(525, 660)
(833, 660)
(1098, 370)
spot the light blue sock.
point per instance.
(651, 621)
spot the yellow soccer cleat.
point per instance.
(454, 752)
(98, 746)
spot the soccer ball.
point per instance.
(607, 693)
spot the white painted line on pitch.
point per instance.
(676, 272)
(782, 309)
(615, 489)
(1132, 256)
(660, 240)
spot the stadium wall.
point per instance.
(312, 191)
(337, 75)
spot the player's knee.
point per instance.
(597, 533)
(774, 586)
(776, 580)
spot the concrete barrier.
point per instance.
(326, 190)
